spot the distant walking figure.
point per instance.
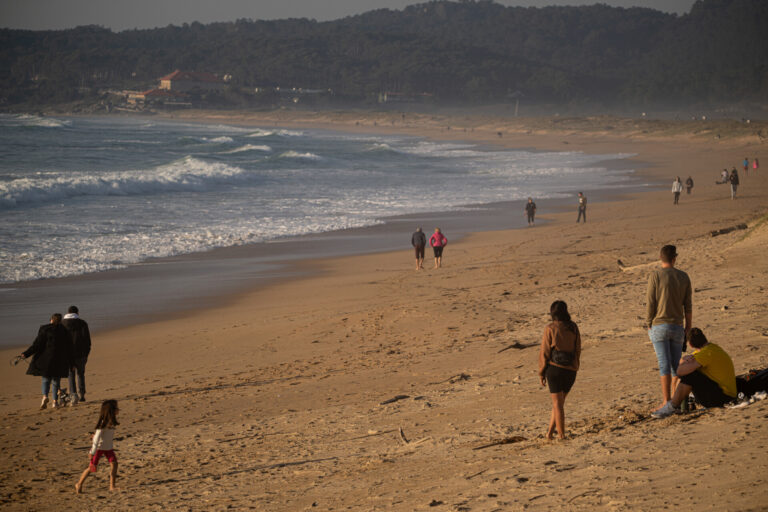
(745, 163)
(677, 187)
(756, 165)
(419, 242)
(558, 362)
(582, 208)
(530, 211)
(688, 185)
(734, 180)
(52, 350)
(438, 241)
(102, 444)
(81, 345)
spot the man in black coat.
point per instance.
(81, 341)
(52, 350)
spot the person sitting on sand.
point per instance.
(419, 241)
(708, 373)
(723, 176)
(558, 362)
(669, 315)
(438, 241)
(530, 211)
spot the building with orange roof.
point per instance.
(183, 81)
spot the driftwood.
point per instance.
(456, 378)
(470, 477)
(394, 399)
(402, 435)
(718, 232)
(506, 440)
(585, 493)
(517, 345)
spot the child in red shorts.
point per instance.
(102, 444)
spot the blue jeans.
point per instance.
(667, 341)
(80, 371)
(47, 381)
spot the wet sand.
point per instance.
(282, 399)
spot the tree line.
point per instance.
(466, 51)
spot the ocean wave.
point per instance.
(382, 147)
(35, 121)
(182, 175)
(281, 133)
(218, 140)
(296, 154)
(248, 147)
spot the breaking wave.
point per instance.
(182, 175)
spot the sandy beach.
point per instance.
(365, 385)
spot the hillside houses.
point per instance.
(177, 89)
(184, 81)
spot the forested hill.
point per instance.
(456, 51)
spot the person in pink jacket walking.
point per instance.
(438, 241)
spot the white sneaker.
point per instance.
(44, 403)
(666, 410)
(55, 404)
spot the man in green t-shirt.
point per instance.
(708, 373)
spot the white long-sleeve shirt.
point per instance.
(102, 439)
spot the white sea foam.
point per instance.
(268, 133)
(297, 154)
(186, 174)
(35, 121)
(248, 147)
(219, 140)
(383, 147)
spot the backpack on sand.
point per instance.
(752, 382)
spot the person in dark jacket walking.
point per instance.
(52, 351)
(530, 211)
(419, 242)
(734, 181)
(688, 185)
(81, 345)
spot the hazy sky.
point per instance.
(126, 14)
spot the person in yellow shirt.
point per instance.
(708, 373)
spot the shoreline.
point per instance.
(283, 399)
(185, 284)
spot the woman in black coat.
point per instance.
(52, 350)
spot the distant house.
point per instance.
(156, 96)
(182, 81)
